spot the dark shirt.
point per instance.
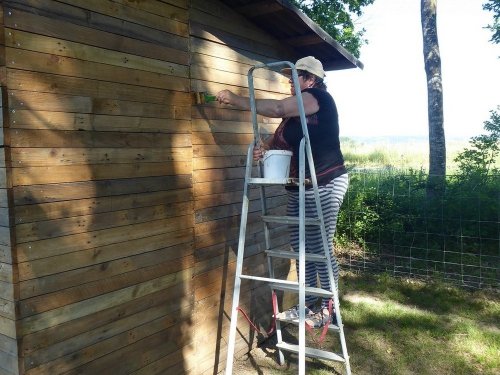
(323, 128)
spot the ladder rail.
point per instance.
(239, 266)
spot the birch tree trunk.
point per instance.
(432, 59)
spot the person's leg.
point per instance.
(331, 200)
(311, 272)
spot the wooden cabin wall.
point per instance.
(223, 47)
(99, 137)
(8, 342)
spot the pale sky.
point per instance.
(389, 97)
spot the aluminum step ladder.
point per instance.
(301, 256)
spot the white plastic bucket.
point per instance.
(277, 163)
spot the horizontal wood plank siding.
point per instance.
(223, 47)
(120, 198)
(99, 151)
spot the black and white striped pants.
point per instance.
(331, 197)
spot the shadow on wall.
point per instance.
(221, 136)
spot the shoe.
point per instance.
(322, 318)
(293, 313)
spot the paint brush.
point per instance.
(203, 97)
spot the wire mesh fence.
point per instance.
(394, 222)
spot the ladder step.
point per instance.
(290, 220)
(277, 181)
(295, 321)
(311, 352)
(283, 283)
(294, 287)
(288, 254)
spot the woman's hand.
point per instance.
(226, 97)
(259, 150)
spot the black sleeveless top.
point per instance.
(323, 128)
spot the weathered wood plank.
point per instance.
(60, 47)
(25, 138)
(70, 103)
(258, 51)
(219, 150)
(64, 209)
(239, 25)
(8, 327)
(63, 174)
(58, 84)
(222, 63)
(99, 21)
(80, 224)
(76, 310)
(8, 363)
(215, 126)
(173, 363)
(5, 237)
(215, 75)
(207, 175)
(91, 189)
(145, 253)
(57, 299)
(37, 157)
(138, 353)
(222, 139)
(216, 187)
(6, 273)
(33, 119)
(134, 15)
(95, 242)
(98, 321)
(159, 8)
(7, 309)
(219, 162)
(67, 66)
(151, 321)
(52, 27)
(7, 291)
(5, 254)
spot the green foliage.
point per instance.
(494, 6)
(480, 160)
(335, 17)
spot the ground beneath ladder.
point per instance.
(263, 360)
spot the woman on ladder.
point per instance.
(323, 127)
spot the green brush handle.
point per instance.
(210, 98)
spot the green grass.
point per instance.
(398, 326)
(401, 156)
